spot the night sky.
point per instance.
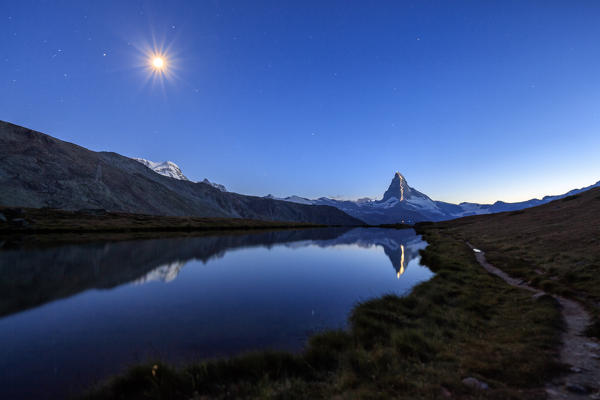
(470, 100)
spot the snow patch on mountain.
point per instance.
(423, 203)
(166, 168)
(172, 170)
(473, 209)
(165, 273)
(391, 202)
(293, 199)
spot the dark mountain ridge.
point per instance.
(37, 170)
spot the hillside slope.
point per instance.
(38, 170)
(555, 246)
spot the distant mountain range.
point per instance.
(400, 202)
(37, 170)
(404, 204)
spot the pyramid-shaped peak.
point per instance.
(399, 176)
(398, 188)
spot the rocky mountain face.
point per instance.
(404, 204)
(218, 186)
(398, 189)
(37, 170)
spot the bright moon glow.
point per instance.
(158, 62)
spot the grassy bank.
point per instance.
(35, 227)
(462, 323)
(555, 247)
(47, 220)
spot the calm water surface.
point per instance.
(73, 315)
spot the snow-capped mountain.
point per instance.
(400, 204)
(32, 162)
(404, 204)
(172, 170)
(166, 168)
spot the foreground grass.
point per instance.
(555, 247)
(463, 322)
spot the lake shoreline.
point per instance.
(420, 345)
(17, 220)
(32, 227)
(182, 298)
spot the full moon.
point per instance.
(158, 62)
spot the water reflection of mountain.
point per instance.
(401, 246)
(29, 278)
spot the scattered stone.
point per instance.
(552, 392)
(595, 396)
(2, 217)
(592, 345)
(446, 393)
(575, 370)
(475, 383)
(537, 295)
(576, 388)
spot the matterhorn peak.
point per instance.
(398, 188)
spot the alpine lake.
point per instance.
(72, 315)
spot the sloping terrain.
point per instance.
(550, 249)
(556, 246)
(37, 170)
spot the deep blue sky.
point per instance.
(470, 100)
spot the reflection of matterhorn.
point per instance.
(400, 245)
(165, 273)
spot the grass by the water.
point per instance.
(554, 247)
(461, 323)
(53, 221)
